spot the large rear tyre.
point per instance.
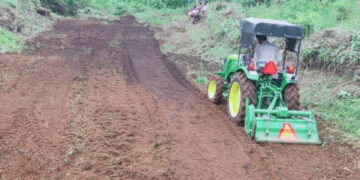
(215, 89)
(292, 97)
(240, 89)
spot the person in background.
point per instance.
(197, 14)
(195, 10)
(204, 7)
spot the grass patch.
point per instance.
(311, 15)
(159, 16)
(202, 79)
(334, 97)
(9, 42)
(144, 11)
(19, 21)
(334, 49)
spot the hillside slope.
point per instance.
(330, 61)
(19, 21)
(86, 105)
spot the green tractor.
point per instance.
(260, 97)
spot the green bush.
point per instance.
(159, 4)
(9, 42)
(334, 49)
(334, 97)
(110, 4)
(312, 15)
(306, 24)
(251, 3)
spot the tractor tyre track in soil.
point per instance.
(99, 100)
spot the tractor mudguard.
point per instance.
(288, 79)
(232, 66)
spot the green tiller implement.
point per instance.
(260, 97)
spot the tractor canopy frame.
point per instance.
(251, 27)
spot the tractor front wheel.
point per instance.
(240, 89)
(292, 97)
(215, 89)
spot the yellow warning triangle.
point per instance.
(287, 133)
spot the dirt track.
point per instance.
(98, 100)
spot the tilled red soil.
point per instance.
(98, 100)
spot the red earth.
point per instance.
(99, 100)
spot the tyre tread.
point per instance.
(219, 89)
(292, 97)
(248, 89)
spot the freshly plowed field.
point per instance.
(98, 100)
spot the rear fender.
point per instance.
(252, 75)
(231, 66)
(288, 79)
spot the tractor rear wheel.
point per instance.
(215, 89)
(240, 89)
(292, 97)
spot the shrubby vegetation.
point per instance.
(334, 49)
(109, 7)
(334, 97)
(9, 42)
(19, 21)
(312, 15)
